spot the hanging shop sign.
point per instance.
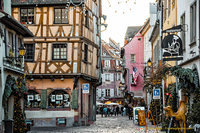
(173, 29)
(172, 48)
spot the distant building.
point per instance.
(133, 66)
(112, 80)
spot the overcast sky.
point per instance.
(121, 14)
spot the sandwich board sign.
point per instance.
(156, 93)
(86, 88)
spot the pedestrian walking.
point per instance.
(122, 110)
(117, 110)
(105, 110)
(108, 111)
(101, 111)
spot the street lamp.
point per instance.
(149, 62)
(22, 50)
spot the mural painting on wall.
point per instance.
(135, 76)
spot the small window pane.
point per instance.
(60, 51)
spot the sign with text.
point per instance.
(156, 93)
(86, 88)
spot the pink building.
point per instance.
(134, 66)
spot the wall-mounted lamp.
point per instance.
(22, 50)
(149, 63)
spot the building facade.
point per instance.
(12, 34)
(133, 60)
(189, 17)
(112, 80)
(62, 60)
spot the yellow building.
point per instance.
(169, 20)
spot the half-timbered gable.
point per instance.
(62, 34)
(62, 56)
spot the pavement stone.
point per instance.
(112, 124)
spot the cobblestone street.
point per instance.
(102, 125)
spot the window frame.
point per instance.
(87, 19)
(60, 44)
(85, 53)
(169, 7)
(1, 5)
(33, 93)
(183, 35)
(107, 92)
(133, 61)
(56, 93)
(193, 23)
(107, 77)
(33, 52)
(27, 19)
(60, 8)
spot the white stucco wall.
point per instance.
(184, 7)
(49, 114)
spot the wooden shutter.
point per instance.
(43, 99)
(104, 92)
(75, 99)
(111, 77)
(112, 93)
(103, 77)
(103, 63)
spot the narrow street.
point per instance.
(114, 124)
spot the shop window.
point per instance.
(59, 99)
(33, 99)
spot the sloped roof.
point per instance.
(131, 31)
(109, 50)
(12, 23)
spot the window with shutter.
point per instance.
(193, 23)
(111, 77)
(107, 77)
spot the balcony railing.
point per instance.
(13, 63)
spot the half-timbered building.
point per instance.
(63, 55)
